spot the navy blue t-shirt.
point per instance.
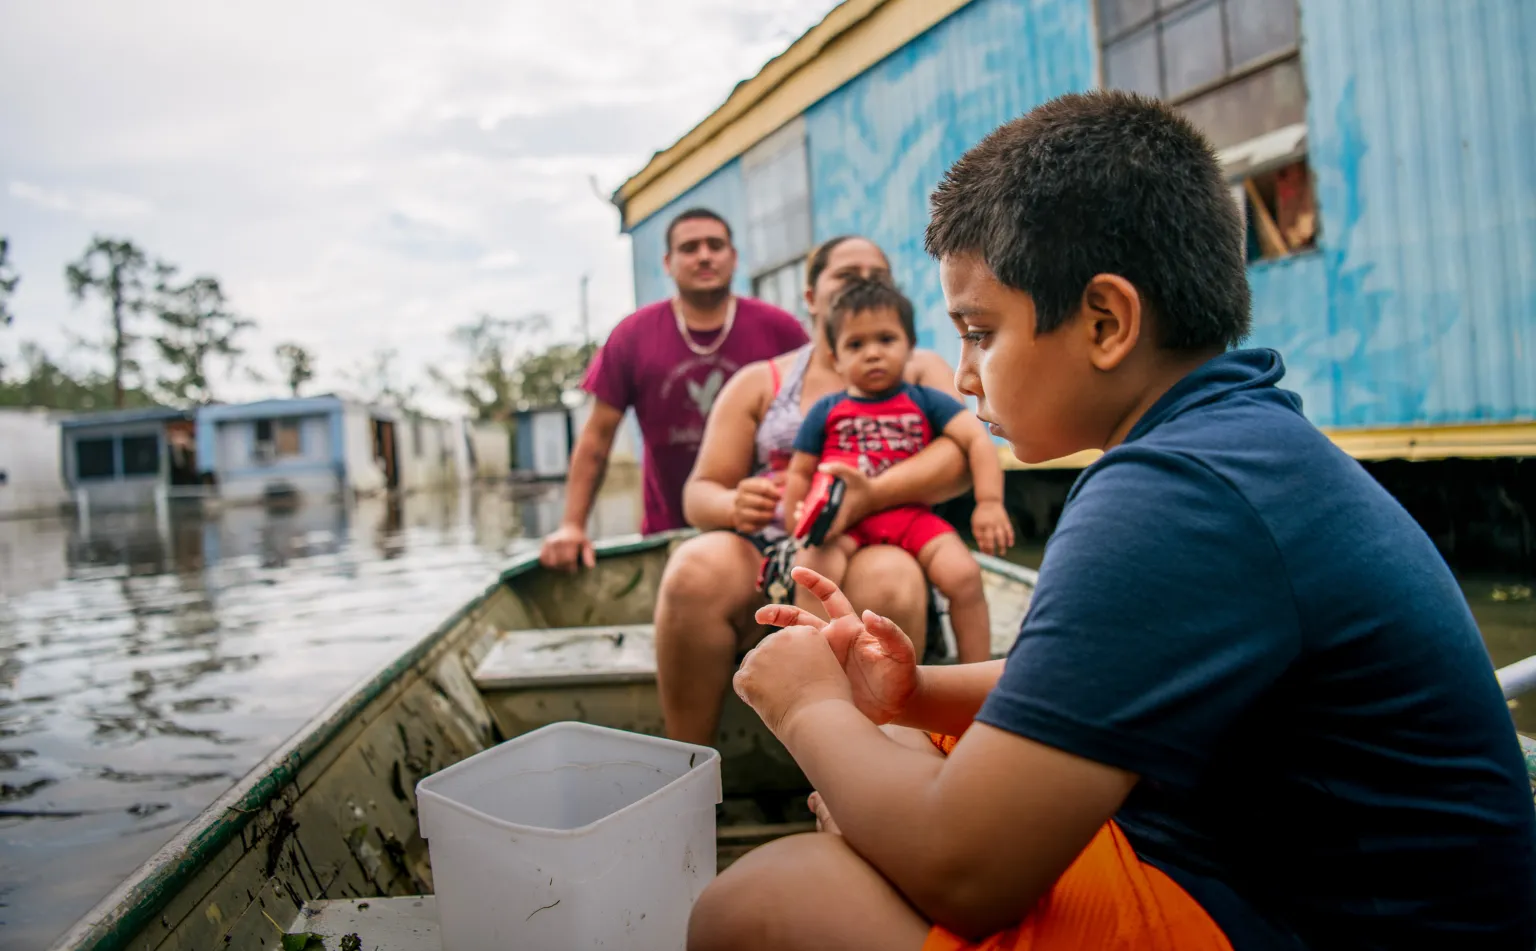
(1233, 609)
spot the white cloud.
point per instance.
(499, 260)
(360, 174)
(88, 203)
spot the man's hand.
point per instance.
(991, 528)
(877, 657)
(756, 499)
(566, 547)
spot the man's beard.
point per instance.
(707, 299)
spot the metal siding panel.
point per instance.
(1420, 114)
(724, 193)
(880, 144)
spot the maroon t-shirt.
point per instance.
(645, 364)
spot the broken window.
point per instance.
(277, 438)
(1233, 67)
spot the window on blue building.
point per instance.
(95, 459)
(778, 231)
(141, 455)
(1234, 68)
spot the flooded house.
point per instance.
(1391, 212)
(124, 459)
(31, 477)
(320, 446)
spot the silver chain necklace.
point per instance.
(687, 335)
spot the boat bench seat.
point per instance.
(569, 656)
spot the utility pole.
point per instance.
(586, 333)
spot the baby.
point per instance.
(878, 421)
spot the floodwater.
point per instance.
(146, 665)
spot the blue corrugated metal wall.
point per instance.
(1419, 305)
(723, 193)
(881, 143)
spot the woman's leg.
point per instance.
(801, 892)
(703, 617)
(888, 581)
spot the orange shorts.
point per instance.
(1106, 900)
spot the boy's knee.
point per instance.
(955, 571)
(723, 917)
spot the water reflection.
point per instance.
(145, 664)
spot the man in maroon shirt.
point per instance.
(669, 361)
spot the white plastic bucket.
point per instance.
(572, 836)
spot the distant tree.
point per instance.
(507, 372)
(44, 382)
(296, 364)
(196, 327)
(488, 387)
(379, 381)
(544, 377)
(117, 271)
(8, 281)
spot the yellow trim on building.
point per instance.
(856, 35)
(1414, 443)
(1473, 441)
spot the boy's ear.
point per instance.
(1113, 317)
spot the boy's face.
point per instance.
(872, 351)
(1036, 391)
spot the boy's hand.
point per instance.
(788, 672)
(991, 528)
(877, 657)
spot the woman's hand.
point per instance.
(991, 528)
(788, 672)
(877, 658)
(754, 503)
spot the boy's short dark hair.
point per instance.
(1103, 182)
(696, 214)
(863, 294)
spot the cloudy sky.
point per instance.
(361, 174)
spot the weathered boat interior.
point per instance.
(322, 837)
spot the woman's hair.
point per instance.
(863, 294)
(822, 256)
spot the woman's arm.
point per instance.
(726, 451)
(926, 368)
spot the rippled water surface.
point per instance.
(145, 666)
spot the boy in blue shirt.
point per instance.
(1248, 708)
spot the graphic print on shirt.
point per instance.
(703, 395)
(701, 380)
(889, 438)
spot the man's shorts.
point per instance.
(1107, 900)
(908, 527)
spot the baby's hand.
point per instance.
(991, 528)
